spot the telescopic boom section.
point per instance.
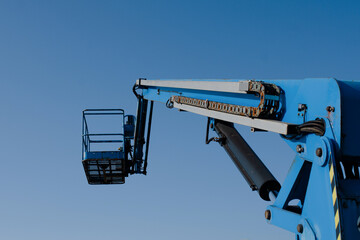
(252, 103)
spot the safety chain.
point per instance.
(268, 107)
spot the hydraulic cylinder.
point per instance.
(249, 164)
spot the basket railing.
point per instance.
(88, 138)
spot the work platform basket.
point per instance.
(109, 166)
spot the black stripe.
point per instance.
(338, 230)
(332, 180)
(336, 206)
(333, 183)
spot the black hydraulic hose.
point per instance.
(312, 130)
(316, 126)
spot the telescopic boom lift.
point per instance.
(318, 118)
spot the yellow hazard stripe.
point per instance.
(335, 201)
(334, 195)
(337, 218)
(331, 172)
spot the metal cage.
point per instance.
(103, 167)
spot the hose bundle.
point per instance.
(316, 126)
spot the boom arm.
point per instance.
(314, 116)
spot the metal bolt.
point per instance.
(300, 228)
(330, 109)
(318, 152)
(268, 214)
(299, 148)
(302, 107)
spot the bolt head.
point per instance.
(302, 107)
(330, 109)
(318, 152)
(299, 148)
(268, 214)
(300, 228)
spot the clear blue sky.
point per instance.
(59, 57)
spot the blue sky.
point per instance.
(60, 57)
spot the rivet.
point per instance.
(268, 214)
(300, 228)
(299, 148)
(318, 152)
(330, 109)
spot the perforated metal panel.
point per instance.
(105, 167)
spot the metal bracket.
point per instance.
(139, 164)
(213, 139)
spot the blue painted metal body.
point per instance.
(328, 193)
